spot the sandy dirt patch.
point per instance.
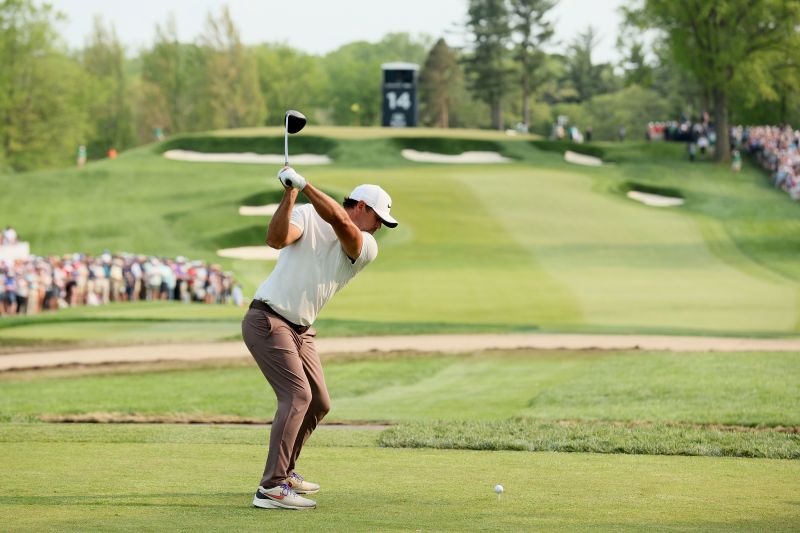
(252, 253)
(258, 210)
(581, 159)
(466, 157)
(419, 343)
(246, 157)
(655, 200)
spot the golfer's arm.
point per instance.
(280, 232)
(335, 215)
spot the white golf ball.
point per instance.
(498, 489)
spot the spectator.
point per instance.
(9, 237)
(81, 156)
(736, 161)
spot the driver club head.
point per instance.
(295, 121)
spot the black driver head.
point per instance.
(295, 121)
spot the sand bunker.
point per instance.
(466, 157)
(246, 157)
(654, 200)
(258, 210)
(580, 159)
(252, 253)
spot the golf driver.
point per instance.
(295, 121)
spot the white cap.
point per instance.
(378, 199)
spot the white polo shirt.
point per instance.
(312, 269)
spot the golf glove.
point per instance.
(290, 178)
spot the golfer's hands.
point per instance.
(290, 178)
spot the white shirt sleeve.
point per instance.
(369, 251)
(299, 216)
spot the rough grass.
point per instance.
(523, 434)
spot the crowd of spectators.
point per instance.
(776, 148)
(39, 284)
(698, 134)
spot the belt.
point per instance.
(262, 306)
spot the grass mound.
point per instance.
(525, 434)
(253, 235)
(447, 145)
(262, 198)
(260, 145)
(275, 197)
(563, 146)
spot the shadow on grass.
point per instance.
(248, 236)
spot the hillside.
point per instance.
(532, 245)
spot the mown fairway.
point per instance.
(533, 245)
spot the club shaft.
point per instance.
(286, 141)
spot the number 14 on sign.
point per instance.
(402, 101)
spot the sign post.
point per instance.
(400, 108)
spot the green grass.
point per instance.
(197, 478)
(524, 434)
(749, 389)
(535, 245)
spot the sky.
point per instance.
(319, 26)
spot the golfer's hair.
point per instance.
(349, 202)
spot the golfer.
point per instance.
(323, 245)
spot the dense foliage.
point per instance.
(53, 100)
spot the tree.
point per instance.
(290, 79)
(232, 96)
(583, 74)
(42, 117)
(632, 107)
(169, 80)
(439, 79)
(354, 74)
(720, 40)
(487, 64)
(110, 108)
(675, 85)
(532, 32)
(637, 70)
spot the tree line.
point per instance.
(731, 57)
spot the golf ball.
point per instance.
(498, 489)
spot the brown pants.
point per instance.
(290, 363)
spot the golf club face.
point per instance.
(295, 121)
